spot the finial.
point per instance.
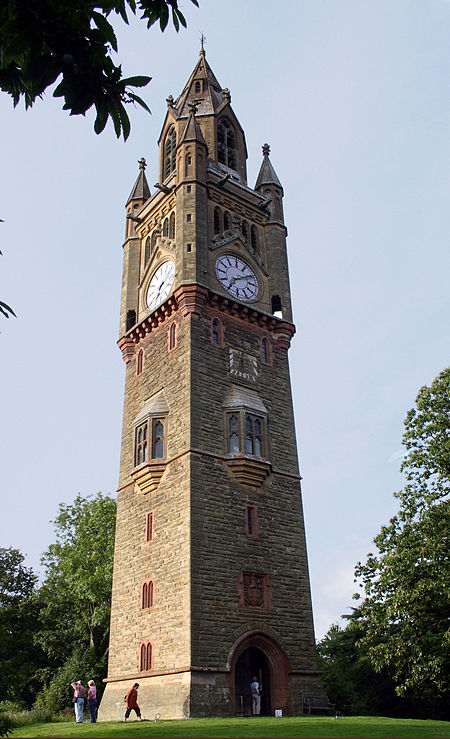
(169, 101)
(226, 94)
(266, 150)
(193, 107)
(202, 41)
(142, 163)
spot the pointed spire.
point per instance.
(141, 190)
(203, 88)
(192, 132)
(267, 174)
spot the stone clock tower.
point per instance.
(211, 582)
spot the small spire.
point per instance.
(141, 190)
(202, 41)
(267, 174)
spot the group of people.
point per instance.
(79, 696)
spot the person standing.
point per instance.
(132, 704)
(92, 701)
(79, 694)
(256, 697)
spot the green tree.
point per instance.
(19, 657)
(404, 616)
(45, 41)
(350, 680)
(76, 593)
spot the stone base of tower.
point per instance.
(202, 695)
(185, 694)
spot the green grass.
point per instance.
(297, 727)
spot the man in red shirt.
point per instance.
(132, 704)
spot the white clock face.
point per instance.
(236, 277)
(160, 284)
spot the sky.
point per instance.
(352, 96)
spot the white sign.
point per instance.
(278, 713)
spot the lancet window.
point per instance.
(170, 146)
(226, 145)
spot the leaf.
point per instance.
(6, 309)
(139, 100)
(126, 127)
(106, 28)
(101, 119)
(137, 81)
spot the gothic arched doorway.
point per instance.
(257, 654)
(252, 663)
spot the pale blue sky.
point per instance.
(352, 96)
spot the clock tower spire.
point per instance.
(210, 584)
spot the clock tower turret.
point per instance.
(210, 584)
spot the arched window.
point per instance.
(158, 438)
(153, 241)
(139, 361)
(217, 332)
(226, 221)
(233, 435)
(245, 230)
(142, 661)
(145, 658)
(166, 227)
(141, 451)
(265, 355)
(170, 146)
(147, 251)
(172, 226)
(172, 335)
(254, 238)
(217, 221)
(147, 594)
(144, 595)
(226, 144)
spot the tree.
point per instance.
(75, 597)
(19, 657)
(44, 41)
(404, 615)
(76, 593)
(350, 680)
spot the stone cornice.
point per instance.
(192, 299)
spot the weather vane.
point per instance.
(202, 41)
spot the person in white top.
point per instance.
(256, 697)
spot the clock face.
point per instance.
(160, 284)
(236, 277)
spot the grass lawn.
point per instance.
(302, 726)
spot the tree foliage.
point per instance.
(19, 657)
(404, 616)
(48, 41)
(75, 597)
(76, 592)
